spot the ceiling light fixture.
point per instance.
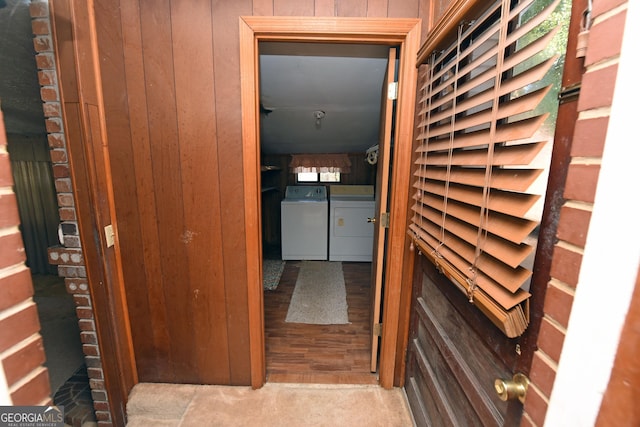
(318, 115)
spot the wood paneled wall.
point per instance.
(171, 81)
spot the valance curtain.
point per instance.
(320, 163)
(479, 133)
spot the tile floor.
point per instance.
(275, 404)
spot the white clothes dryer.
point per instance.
(350, 229)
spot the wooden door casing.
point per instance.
(403, 32)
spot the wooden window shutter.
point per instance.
(480, 134)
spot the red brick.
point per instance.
(9, 215)
(87, 325)
(45, 61)
(103, 416)
(56, 140)
(33, 392)
(63, 185)
(95, 373)
(53, 124)
(96, 384)
(67, 214)
(99, 396)
(93, 362)
(47, 77)
(82, 300)
(18, 326)
(61, 171)
(6, 178)
(51, 109)
(65, 199)
(535, 407)
(42, 44)
(525, 421)
(76, 285)
(573, 225)
(84, 313)
(90, 350)
(550, 340)
(72, 242)
(15, 288)
(40, 26)
(589, 137)
(12, 250)
(557, 304)
(581, 182)
(603, 6)
(68, 256)
(49, 93)
(23, 360)
(59, 156)
(101, 406)
(88, 338)
(605, 39)
(542, 375)
(71, 271)
(38, 9)
(565, 266)
(601, 83)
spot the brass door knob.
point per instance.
(515, 388)
(371, 220)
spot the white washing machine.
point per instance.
(304, 223)
(350, 231)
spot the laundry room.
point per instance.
(321, 138)
(320, 108)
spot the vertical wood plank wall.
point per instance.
(171, 84)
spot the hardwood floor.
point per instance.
(329, 354)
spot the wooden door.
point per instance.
(454, 356)
(456, 353)
(382, 199)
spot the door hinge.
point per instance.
(109, 235)
(569, 93)
(392, 91)
(384, 219)
(377, 329)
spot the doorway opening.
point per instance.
(319, 99)
(385, 32)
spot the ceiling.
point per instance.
(344, 81)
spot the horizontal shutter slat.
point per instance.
(513, 229)
(509, 285)
(503, 156)
(512, 254)
(514, 204)
(522, 129)
(519, 180)
(514, 107)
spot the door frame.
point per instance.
(403, 32)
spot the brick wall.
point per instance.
(67, 257)
(21, 349)
(598, 82)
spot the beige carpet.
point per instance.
(288, 405)
(320, 296)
